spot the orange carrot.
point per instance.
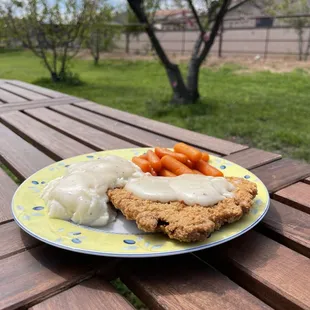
(207, 169)
(166, 173)
(205, 156)
(189, 164)
(161, 152)
(197, 172)
(175, 166)
(192, 153)
(154, 160)
(144, 156)
(142, 163)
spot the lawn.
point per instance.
(262, 109)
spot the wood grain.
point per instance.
(91, 137)
(252, 158)
(184, 282)
(7, 189)
(6, 108)
(130, 133)
(20, 156)
(31, 276)
(289, 226)
(297, 195)
(24, 93)
(272, 272)
(200, 140)
(7, 97)
(38, 89)
(282, 173)
(55, 144)
(14, 240)
(93, 294)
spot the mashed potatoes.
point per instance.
(81, 195)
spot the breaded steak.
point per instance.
(183, 222)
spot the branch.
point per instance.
(190, 3)
(217, 23)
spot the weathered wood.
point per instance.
(20, 156)
(184, 282)
(52, 142)
(282, 173)
(91, 294)
(38, 89)
(115, 128)
(7, 108)
(14, 240)
(200, 140)
(24, 93)
(7, 189)
(289, 226)
(31, 276)
(8, 97)
(296, 195)
(272, 272)
(91, 137)
(252, 158)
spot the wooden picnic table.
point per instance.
(268, 267)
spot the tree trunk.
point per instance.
(127, 43)
(96, 60)
(192, 79)
(300, 41)
(55, 77)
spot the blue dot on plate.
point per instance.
(223, 167)
(76, 240)
(67, 166)
(76, 233)
(129, 241)
(35, 182)
(90, 156)
(38, 208)
(247, 176)
(42, 182)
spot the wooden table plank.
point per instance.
(282, 173)
(20, 156)
(200, 140)
(7, 189)
(289, 226)
(91, 294)
(8, 97)
(297, 195)
(275, 274)
(14, 240)
(92, 137)
(184, 282)
(38, 89)
(7, 108)
(115, 128)
(31, 276)
(252, 158)
(24, 93)
(52, 142)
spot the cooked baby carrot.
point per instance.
(207, 169)
(189, 164)
(144, 156)
(142, 163)
(161, 152)
(154, 160)
(174, 165)
(205, 156)
(197, 172)
(192, 153)
(166, 173)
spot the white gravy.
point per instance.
(190, 188)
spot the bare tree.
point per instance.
(53, 31)
(186, 91)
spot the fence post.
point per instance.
(183, 40)
(221, 40)
(266, 43)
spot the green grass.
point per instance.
(267, 110)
